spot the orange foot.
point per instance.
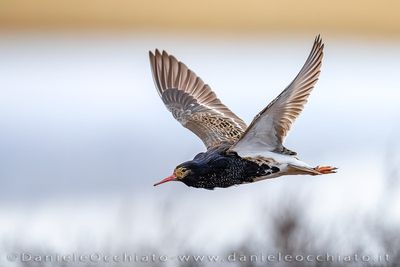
(325, 169)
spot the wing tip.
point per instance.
(161, 55)
(319, 45)
(155, 53)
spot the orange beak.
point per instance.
(168, 179)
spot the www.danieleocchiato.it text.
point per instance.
(125, 257)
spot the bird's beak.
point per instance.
(168, 179)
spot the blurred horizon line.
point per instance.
(362, 18)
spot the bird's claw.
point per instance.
(325, 169)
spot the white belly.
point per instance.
(280, 158)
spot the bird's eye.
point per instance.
(181, 172)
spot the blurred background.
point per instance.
(84, 135)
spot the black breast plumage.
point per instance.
(217, 168)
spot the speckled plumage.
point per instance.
(236, 154)
(193, 103)
(219, 168)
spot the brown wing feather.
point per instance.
(193, 103)
(271, 125)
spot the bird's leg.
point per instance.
(325, 169)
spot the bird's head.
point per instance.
(181, 172)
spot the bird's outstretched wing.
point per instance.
(193, 103)
(271, 125)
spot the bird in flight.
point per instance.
(236, 153)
